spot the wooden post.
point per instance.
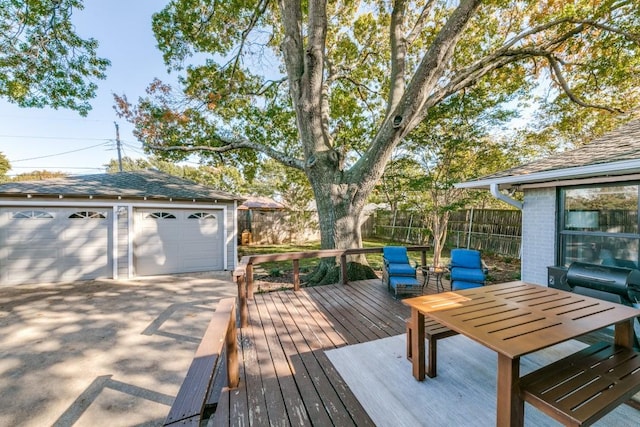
(343, 269)
(242, 301)
(296, 274)
(250, 281)
(233, 369)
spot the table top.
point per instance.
(517, 318)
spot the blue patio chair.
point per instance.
(397, 272)
(467, 269)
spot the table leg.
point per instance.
(624, 334)
(510, 407)
(417, 344)
(439, 286)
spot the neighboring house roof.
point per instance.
(259, 202)
(149, 184)
(615, 153)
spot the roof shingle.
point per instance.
(618, 145)
(139, 184)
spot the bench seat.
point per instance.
(433, 331)
(583, 387)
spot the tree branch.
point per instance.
(398, 56)
(504, 56)
(230, 144)
(633, 37)
(557, 71)
(420, 22)
(292, 46)
(260, 9)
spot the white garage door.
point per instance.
(177, 241)
(54, 244)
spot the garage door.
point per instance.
(54, 244)
(177, 241)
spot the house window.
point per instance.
(202, 215)
(599, 224)
(161, 215)
(33, 214)
(88, 214)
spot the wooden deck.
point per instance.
(285, 377)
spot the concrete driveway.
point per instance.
(101, 352)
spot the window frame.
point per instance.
(563, 234)
(33, 214)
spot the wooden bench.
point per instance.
(433, 331)
(210, 370)
(583, 387)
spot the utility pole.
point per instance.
(118, 146)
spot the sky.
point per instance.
(62, 140)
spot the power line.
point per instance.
(56, 137)
(54, 167)
(58, 154)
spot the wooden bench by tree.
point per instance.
(196, 394)
(433, 331)
(583, 387)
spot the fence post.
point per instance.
(470, 229)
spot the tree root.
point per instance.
(326, 274)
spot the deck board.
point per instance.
(286, 378)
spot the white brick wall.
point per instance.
(538, 234)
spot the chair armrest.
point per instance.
(485, 267)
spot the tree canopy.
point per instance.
(333, 88)
(43, 61)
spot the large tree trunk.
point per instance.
(340, 206)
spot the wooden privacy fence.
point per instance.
(243, 274)
(495, 230)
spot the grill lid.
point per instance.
(617, 280)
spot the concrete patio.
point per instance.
(101, 352)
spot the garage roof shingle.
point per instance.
(139, 184)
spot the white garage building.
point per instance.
(118, 225)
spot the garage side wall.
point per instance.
(231, 243)
(122, 224)
(538, 234)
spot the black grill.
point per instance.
(615, 284)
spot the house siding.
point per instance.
(538, 234)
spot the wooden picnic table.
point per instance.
(514, 319)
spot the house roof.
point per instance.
(150, 184)
(615, 153)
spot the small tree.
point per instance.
(39, 175)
